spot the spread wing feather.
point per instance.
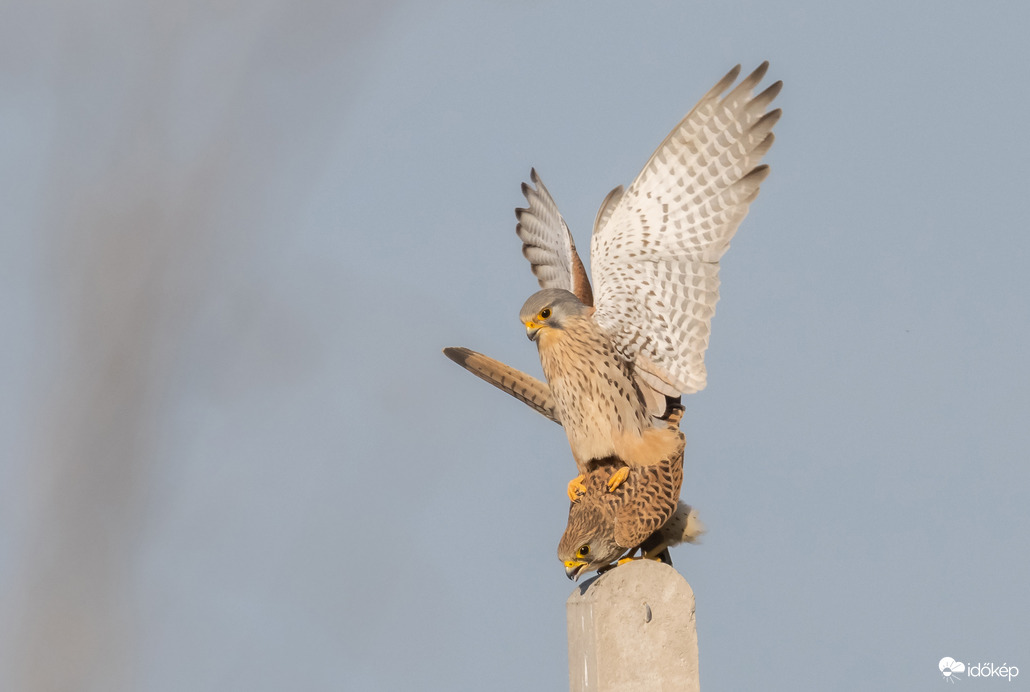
(655, 260)
(607, 207)
(547, 243)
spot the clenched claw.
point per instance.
(576, 488)
(616, 479)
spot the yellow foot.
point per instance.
(576, 488)
(616, 479)
(639, 557)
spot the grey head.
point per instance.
(549, 308)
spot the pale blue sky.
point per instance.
(322, 197)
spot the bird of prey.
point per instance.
(587, 547)
(618, 354)
(642, 513)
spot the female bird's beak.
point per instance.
(574, 568)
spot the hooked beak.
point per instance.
(532, 330)
(574, 568)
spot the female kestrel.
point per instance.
(643, 513)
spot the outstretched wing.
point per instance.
(523, 387)
(655, 255)
(548, 245)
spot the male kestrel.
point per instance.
(613, 364)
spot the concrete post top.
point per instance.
(632, 629)
(642, 577)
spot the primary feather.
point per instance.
(548, 244)
(655, 256)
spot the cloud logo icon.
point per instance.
(950, 666)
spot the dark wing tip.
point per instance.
(756, 175)
(759, 72)
(771, 92)
(459, 354)
(769, 119)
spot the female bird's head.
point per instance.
(589, 540)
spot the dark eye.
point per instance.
(583, 552)
(545, 313)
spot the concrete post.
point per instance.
(632, 629)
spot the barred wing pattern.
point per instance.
(655, 259)
(548, 245)
(525, 388)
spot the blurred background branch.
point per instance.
(148, 148)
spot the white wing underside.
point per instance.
(656, 247)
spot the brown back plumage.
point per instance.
(644, 502)
(635, 511)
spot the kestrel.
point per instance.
(643, 513)
(588, 546)
(614, 363)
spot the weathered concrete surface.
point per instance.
(632, 629)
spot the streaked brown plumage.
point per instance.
(615, 353)
(683, 527)
(643, 512)
(595, 397)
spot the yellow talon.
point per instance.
(639, 557)
(616, 479)
(576, 488)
